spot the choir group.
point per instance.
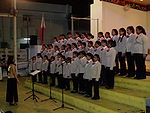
(90, 63)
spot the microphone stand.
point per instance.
(50, 88)
(34, 97)
(62, 101)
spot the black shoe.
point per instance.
(74, 91)
(138, 78)
(107, 87)
(11, 104)
(95, 98)
(81, 92)
(88, 96)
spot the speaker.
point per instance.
(33, 40)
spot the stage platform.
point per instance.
(128, 96)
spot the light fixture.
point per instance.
(141, 0)
(26, 38)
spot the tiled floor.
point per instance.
(30, 106)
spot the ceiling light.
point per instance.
(141, 0)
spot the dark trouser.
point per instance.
(66, 83)
(75, 82)
(130, 63)
(116, 68)
(109, 78)
(60, 80)
(88, 87)
(45, 74)
(140, 65)
(102, 76)
(52, 75)
(96, 88)
(81, 82)
(122, 63)
(40, 77)
(12, 92)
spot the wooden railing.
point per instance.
(21, 54)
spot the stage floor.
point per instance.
(30, 106)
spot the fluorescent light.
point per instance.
(26, 38)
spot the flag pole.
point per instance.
(15, 30)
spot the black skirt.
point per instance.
(12, 92)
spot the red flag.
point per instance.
(43, 26)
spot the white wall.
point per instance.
(115, 16)
(148, 26)
(96, 13)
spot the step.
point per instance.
(86, 104)
(129, 83)
(126, 96)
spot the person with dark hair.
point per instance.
(100, 36)
(12, 90)
(63, 50)
(114, 34)
(77, 36)
(52, 70)
(39, 67)
(45, 65)
(103, 61)
(74, 47)
(50, 51)
(67, 73)
(62, 40)
(81, 68)
(44, 50)
(110, 64)
(121, 49)
(74, 71)
(79, 43)
(107, 36)
(129, 47)
(83, 47)
(97, 47)
(90, 48)
(70, 39)
(68, 52)
(55, 41)
(95, 75)
(140, 51)
(84, 37)
(56, 50)
(58, 69)
(87, 75)
(89, 37)
(60, 64)
(33, 67)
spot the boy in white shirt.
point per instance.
(87, 75)
(45, 65)
(81, 68)
(95, 72)
(67, 74)
(90, 47)
(33, 67)
(110, 64)
(103, 51)
(129, 48)
(52, 70)
(74, 71)
(39, 66)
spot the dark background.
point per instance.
(80, 8)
